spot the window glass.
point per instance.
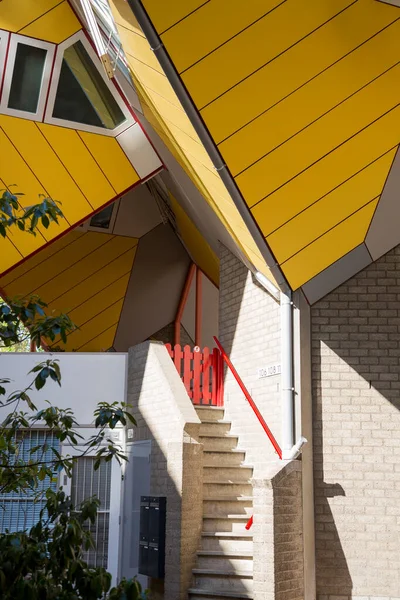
(86, 482)
(27, 78)
(21, 510)
(82, 94)
(103, 218)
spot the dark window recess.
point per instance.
(27, 78)
(103, 218)
(82, 94)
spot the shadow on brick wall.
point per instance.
(356, 381)
(333, 574)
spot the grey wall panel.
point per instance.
(154, 288)
(137, 213)
(384, 231)
(344, 268)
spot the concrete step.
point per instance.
(226, 488)
(225, 541)
(216, 428)
(225, 505)
(224, 561)
(209, 413)
(226, 581)
(232, 474)
(196, 594)
(234, 523)
(224, 458)
(217, 442)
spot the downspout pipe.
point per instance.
(206, 139)
(290, 448)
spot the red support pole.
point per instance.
(182, 304)
(199, 302)
(250, 399)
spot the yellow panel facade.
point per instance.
(318, 54)
(81, 165)
(165, 16)
(200, 251)
(328, 173)
(256, 46)
(84, 275)
(55, 26)
(321, 137)
(330, 247)
(221, 19)
(320, 217)
(39, 258)
(167, 118)
(311, 102)
(303, 105)
(46, 166)
(111, 160)
(14, 15)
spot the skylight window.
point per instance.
(82, 94)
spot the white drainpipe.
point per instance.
(290, 449)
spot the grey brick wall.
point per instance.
(356, 387)
(278, 563)
(249, 326)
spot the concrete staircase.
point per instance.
(224, 568)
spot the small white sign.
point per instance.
(269, 371)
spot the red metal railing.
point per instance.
(249, 399)
(201, 373)
(253, 406)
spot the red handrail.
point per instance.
(253, 406)
(249, 399)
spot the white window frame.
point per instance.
(48, 117)
(4, 37)
(86, 226)
(16, 39)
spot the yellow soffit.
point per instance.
(165, 113)
(301, 99)
(82, 167)
(84, 275)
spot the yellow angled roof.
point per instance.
(301, 99)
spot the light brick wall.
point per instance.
(249, 326)
(278, 564)
(356, 385)
(165, 415)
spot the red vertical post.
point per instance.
(199, 302)
(187, 372)
(196, 376)
(178, 357)
(207, 361)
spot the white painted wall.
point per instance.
(87, 379)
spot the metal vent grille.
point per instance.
(86, 482)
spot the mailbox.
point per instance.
(152, 536)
